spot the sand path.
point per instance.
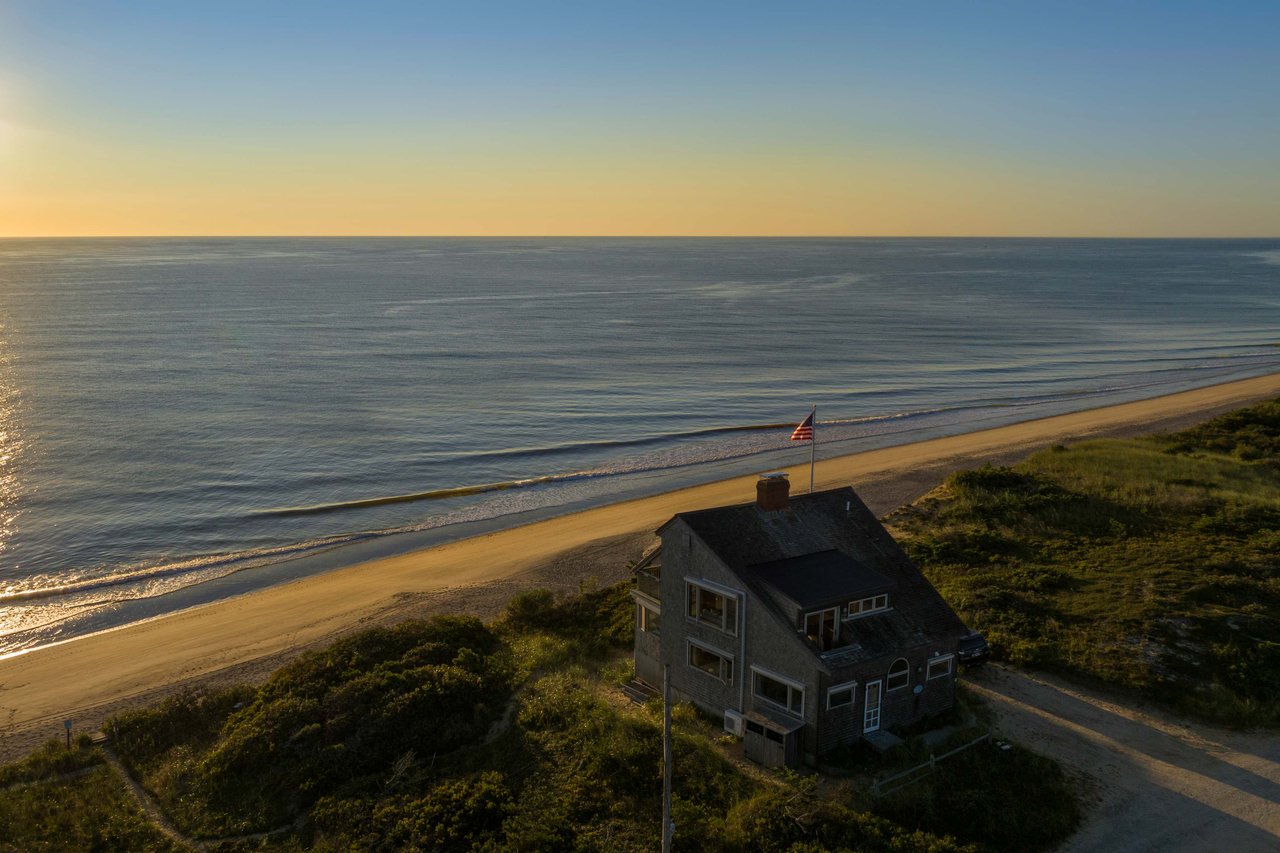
(1155, 782)
(89, 678)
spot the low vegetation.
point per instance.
(246, 761)
(1151, 564)
(67, 799)
(448, 734)
(1007, 796)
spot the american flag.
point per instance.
(804, 432)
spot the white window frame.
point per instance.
(949, 660)
(871, 715)
(890, 674)
(851, 686)
(835, 626)
(731, 628)
(790, 683)
(867, 606)
(725, 658)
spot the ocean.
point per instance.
(182, 419)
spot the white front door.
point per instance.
(871, 717)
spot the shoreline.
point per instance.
(243, 638)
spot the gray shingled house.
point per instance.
(798, 619)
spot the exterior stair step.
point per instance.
(638, 691)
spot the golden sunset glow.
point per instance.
(108, 128)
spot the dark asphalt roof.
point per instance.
(821, 578)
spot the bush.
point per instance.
(330, 717)
(460, 814)
(596, 621)
(792, 821)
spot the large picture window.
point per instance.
(713, 608)
(712, 663)
(786, 695)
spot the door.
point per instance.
(871, 717)
(820, 627)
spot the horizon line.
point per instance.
(340, 236)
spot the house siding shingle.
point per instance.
(684, 556)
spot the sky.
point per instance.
(153, 117)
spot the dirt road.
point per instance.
(1153, 782)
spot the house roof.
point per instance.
(822, 578)
(827, 548)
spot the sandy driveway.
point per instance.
(1153, 782)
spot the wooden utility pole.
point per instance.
(668, 828)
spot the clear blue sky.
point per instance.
(717, 118)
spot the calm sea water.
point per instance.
(180, 416)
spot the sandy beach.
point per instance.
(88, 679)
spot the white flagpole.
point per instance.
(813, 445)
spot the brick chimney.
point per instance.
(773, 492)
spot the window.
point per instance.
(820, 627)
(650, 620)
(712, 663)
(939, 668)
(863, 606)
(713, 608)
(899, 675)
(841, 695)
(786, 695)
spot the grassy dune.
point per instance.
(449, 734)
(59, 799)
(1149, 564)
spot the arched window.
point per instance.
(899, 675)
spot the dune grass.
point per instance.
(59, 799)
(1149, 564)
(448, 734)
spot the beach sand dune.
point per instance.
(244, 638)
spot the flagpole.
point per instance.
(813, 446)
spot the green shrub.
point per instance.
(332, 716)
(460, 814)
(790, 821)
(597, 620)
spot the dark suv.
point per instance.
(973, 650)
